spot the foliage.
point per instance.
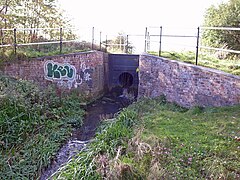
(30, 14)
(33, 125)
(25, 15)
(228, 65)
(154, 139)
(225, 15)
(89, 163)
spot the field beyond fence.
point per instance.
(183, 44)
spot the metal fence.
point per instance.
(154, 38)
(194, 35)
(16, 38)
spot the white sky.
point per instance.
(132, 16)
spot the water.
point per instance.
(104, 108)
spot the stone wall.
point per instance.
(187, 85)
(84, 71)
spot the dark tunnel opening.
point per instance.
(126, 80)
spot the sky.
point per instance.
(132, 16)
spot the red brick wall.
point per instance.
(82, 71)
(187, 85)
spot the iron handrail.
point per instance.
(220, 49)
(170, 35)
(221, 28)
(38, 43)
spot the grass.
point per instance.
(33, 125)
(34, 51)
(226, 65)
(92, 162)
(154, 139)
(25, 54)
(199, 143)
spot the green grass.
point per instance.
(153, 139)
(92, 162)
(33, 125)
(34, 51)
(28, 53)
(200, 143)
(226, 65)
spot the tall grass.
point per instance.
(33, 125)
(92, 162)
(154, 139)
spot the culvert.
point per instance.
(125, 80)
(123, 70)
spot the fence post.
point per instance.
(92, 38)
(15, 40)
(197, 47)
(127, 45)
(145, 46)
(106, 44)
(100, 41)
(61, 31)
(160, 42)
(148, 42)
(1, 35)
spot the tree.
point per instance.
(30, 14)
(225, 15)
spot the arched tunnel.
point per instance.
(123, 73)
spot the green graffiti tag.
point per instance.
(57, 71)
(65, 75)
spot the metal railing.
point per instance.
(95, 37)
(14, 41)
(197, 37)
(221, 49)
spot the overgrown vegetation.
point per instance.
(154, 139)
(227, 65)
(92, 162)
(224, 15)
(33, 125)
(31, 14)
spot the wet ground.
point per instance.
(103, 108)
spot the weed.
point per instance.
(33, 125)
(93, 161)
(154, 139)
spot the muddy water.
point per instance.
(106, 107)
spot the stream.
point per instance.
(103, 108)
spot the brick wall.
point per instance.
(80, 71)
(187, 85)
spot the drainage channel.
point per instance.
(103, 108)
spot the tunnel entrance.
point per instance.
(125, 80)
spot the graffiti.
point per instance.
(66, 75)
(56, 71)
